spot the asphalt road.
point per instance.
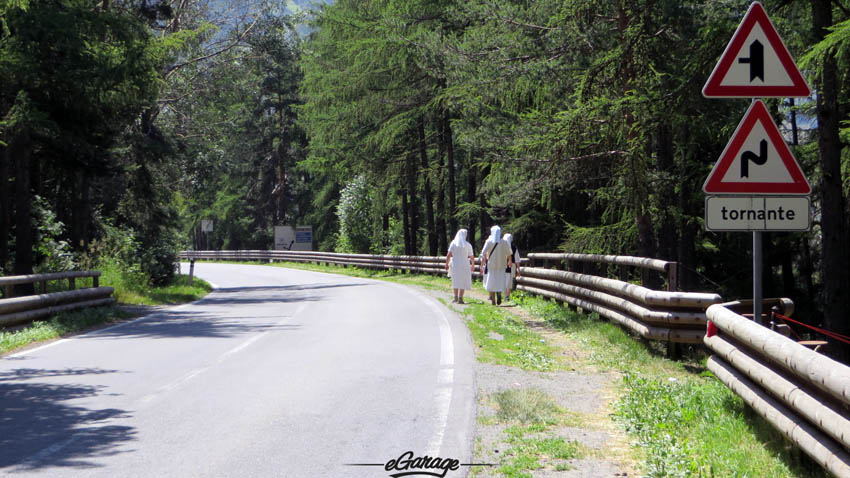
(277, 373)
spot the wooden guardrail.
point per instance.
(15, 310)
(803, 394)
(677, 317)
(668, 315)
(422, 264)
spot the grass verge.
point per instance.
(68, 323)
(58, 326)
(502, 338)
(684, 421)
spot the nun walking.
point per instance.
(512, 271)
(459, 263)
(495, 258)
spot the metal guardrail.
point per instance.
(16, 310)
(803, 394)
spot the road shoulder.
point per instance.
(577, 438)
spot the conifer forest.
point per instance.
(387, 125)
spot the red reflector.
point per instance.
(711, 330)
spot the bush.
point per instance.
(355, 218)
(158, 258)
(52, 253)
(116, 255)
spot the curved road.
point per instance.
(277, 373)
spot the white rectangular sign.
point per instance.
(290, 238)
(757, 213)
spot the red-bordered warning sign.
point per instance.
(757, 160)
(756, 63)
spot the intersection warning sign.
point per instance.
(756, 63)
(757, 160)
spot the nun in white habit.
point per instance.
(495, 258)
(459, 263)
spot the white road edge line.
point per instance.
(445, 377)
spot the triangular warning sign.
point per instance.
(756, 63)
(757, 160)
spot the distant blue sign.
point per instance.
(304, 236)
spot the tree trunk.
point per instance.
(80, 209)
(429, 197)
(665, 161)
(412, 206)
(450, 168)
(836, 279)
(768, 278)
(5, 209)
(687, 255)
(807, 272)
(20, 152)
(405, 224)
(470, 197)
(442, 245)
(789, 289)
(281, 153)
(483, 217)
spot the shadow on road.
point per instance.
(282, 294)
(38, 430)
(225, 313)
(186, 324)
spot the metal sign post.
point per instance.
(756, 185)
(757, 268)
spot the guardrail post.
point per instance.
(71, 283)
(9, 291)
(673, 277)
(95, 281)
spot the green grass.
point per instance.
(58, 326)
(686, 422)
(699, 427)
(503, 339)
(177, 292)
(68, 323)
(132, 287)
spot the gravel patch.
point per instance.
(576, 391)
(584, 469)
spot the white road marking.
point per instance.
(445, 376)
(218, 361)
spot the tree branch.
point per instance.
(229, 47)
